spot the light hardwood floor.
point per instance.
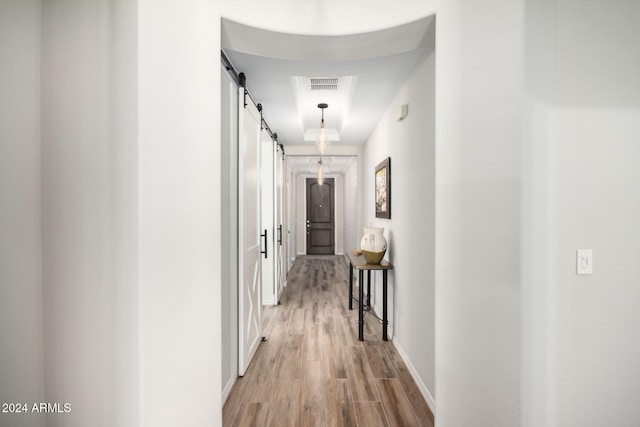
(313, 371)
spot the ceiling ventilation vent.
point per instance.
(323, 83)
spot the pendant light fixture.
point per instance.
(320, 172)
(321, 139)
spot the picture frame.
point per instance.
(382, 186)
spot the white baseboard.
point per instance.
(282, 291)
(414, 373)
(269, 301)
(227, 389)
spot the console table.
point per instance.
(358, 262)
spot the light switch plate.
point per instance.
(403, 111)
(584, 261)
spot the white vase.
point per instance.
(373, 244)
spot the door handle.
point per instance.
(266, 248)
(280, 234)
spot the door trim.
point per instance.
(317, 228)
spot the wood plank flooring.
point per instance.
(313, 371)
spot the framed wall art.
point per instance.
(383, 189)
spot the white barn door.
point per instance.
(268, 220)
(281, 237)
(250, 293)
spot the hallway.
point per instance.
(312, 370)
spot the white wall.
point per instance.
(584, 105)
(539, 395)
(410, 232)
(596, 205)
(124, 198)
(301, 215)
(328, 17)
(80, 202)
(478, 134)
(292, 220)
(351, 232)
(130, 213)
(179, 212)
(339, 214)
(21, 339)
(89, 219)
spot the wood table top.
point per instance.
(358, 262)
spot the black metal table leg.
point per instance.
(368, 304)
(361, 306)
(350, 286)
(384, 305)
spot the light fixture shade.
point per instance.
(321, 140)
(320, 173)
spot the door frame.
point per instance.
(249, 241)
(332, 183)
(268, 220)
(230, 143)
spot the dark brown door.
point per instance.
(320, 229)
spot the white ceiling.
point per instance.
(371, 68)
